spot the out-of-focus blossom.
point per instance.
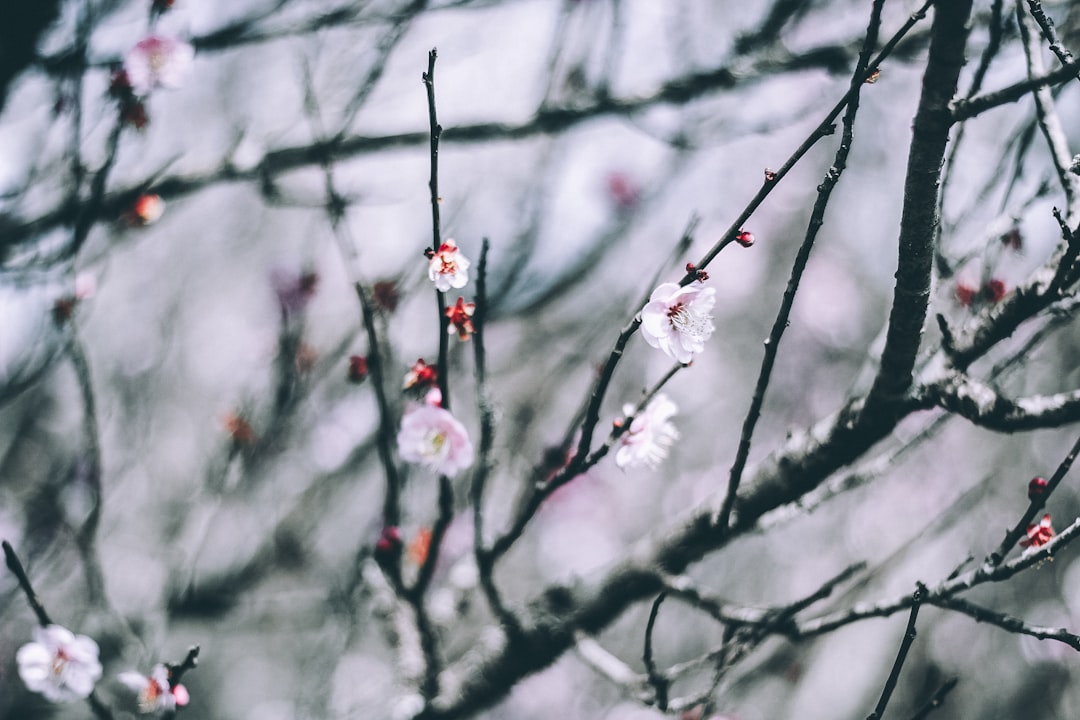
(146, 210)
(385, 294)
(996, 290)
(461, 319)
(306, 357)
(1013, 239)
(294, 291)
(154, 691)
(389, 541)
(650, 434)
(965, 293)
(623, 190)
(358, 368)
(239, 429)
(420, 375)
(447, 267)
(160, 7)
(678, 320)
(1038, 535)
(419, 546)
(432, 437)
(158, 62)
(58, 664)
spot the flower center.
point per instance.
(688, 322)
(156, 59)
(449, 266)
(436, 440)
(60, 661)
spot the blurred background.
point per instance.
(183, 459)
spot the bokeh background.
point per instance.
(257, 545)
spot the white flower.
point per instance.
(649, 436)
(432, 437)
(60, 665)
(154, 691)
(447, 267)
(678, 320)
(158, 61)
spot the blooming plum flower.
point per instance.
(447, 267)
(678, 320)
(155, 691)
(1038, 535)
(59, 664)
(650, 434)
(432, 437)
(461, 319)
(158, 62)
(420, 375)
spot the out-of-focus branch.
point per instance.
(984, 406)
(1047, 116)
(1008, 622)
(547, 121)
(967, 109)
(937, 700)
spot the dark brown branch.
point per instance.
(919, 220)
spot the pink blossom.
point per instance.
(678, 320)
(158, 61)
(650, 434)
(155, 692)
(60, 665)
(432, 437)
(447, 267)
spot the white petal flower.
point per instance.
(158, 61)
(60, 665)
(447, 267)
(678, 320)
(649, 436)
(432, 437)
(154, 691)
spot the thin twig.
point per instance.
(823, 129)
(655, 677)
(909, 637)
(16, 567)
(817, 219)
(435, 132)
(937, 700)
(1038, 501)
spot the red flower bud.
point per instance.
(358, 368)
(389, 542)
(996, 289)
(1036, 487)
(744, 238)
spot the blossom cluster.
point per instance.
(65, 667)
